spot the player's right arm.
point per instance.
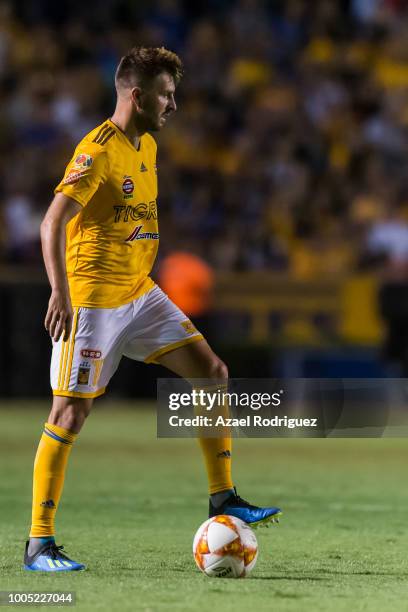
(87, 169)
(59, 314)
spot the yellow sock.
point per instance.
(217, 451)
(217, 457)
(48, 480)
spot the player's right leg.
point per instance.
(81, 367)
(65, 421)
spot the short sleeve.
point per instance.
(84, 173)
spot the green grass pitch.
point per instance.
(132, 503)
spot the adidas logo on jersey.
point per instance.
(143, 167)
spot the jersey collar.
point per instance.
(123, 135)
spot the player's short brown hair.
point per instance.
(141, 64)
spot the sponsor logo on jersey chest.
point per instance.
(137, 234)
(128, 212)
(128, 187)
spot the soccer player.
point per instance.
(100, 239)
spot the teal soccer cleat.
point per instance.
(49, 558)
(254, 516)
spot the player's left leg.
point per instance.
(161, 333)
(197, 360)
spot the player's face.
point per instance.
(157, 102)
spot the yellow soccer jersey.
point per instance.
(112, 243)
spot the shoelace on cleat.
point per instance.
(54, 552)
(241, 502)
(244, 504)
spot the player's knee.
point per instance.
(218, 370)
(76, 412)
(70, 412)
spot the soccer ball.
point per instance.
(225, 547)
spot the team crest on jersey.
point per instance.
(83, 161)
(128, 187)
(188, 327)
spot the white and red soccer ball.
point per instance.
(225, 547)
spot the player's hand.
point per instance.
(58, 319)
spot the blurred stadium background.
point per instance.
(283, 183)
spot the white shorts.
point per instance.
(143, 330)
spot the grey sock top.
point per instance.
(217, 499)
(35, 544)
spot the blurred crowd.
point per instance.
(289, 149)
